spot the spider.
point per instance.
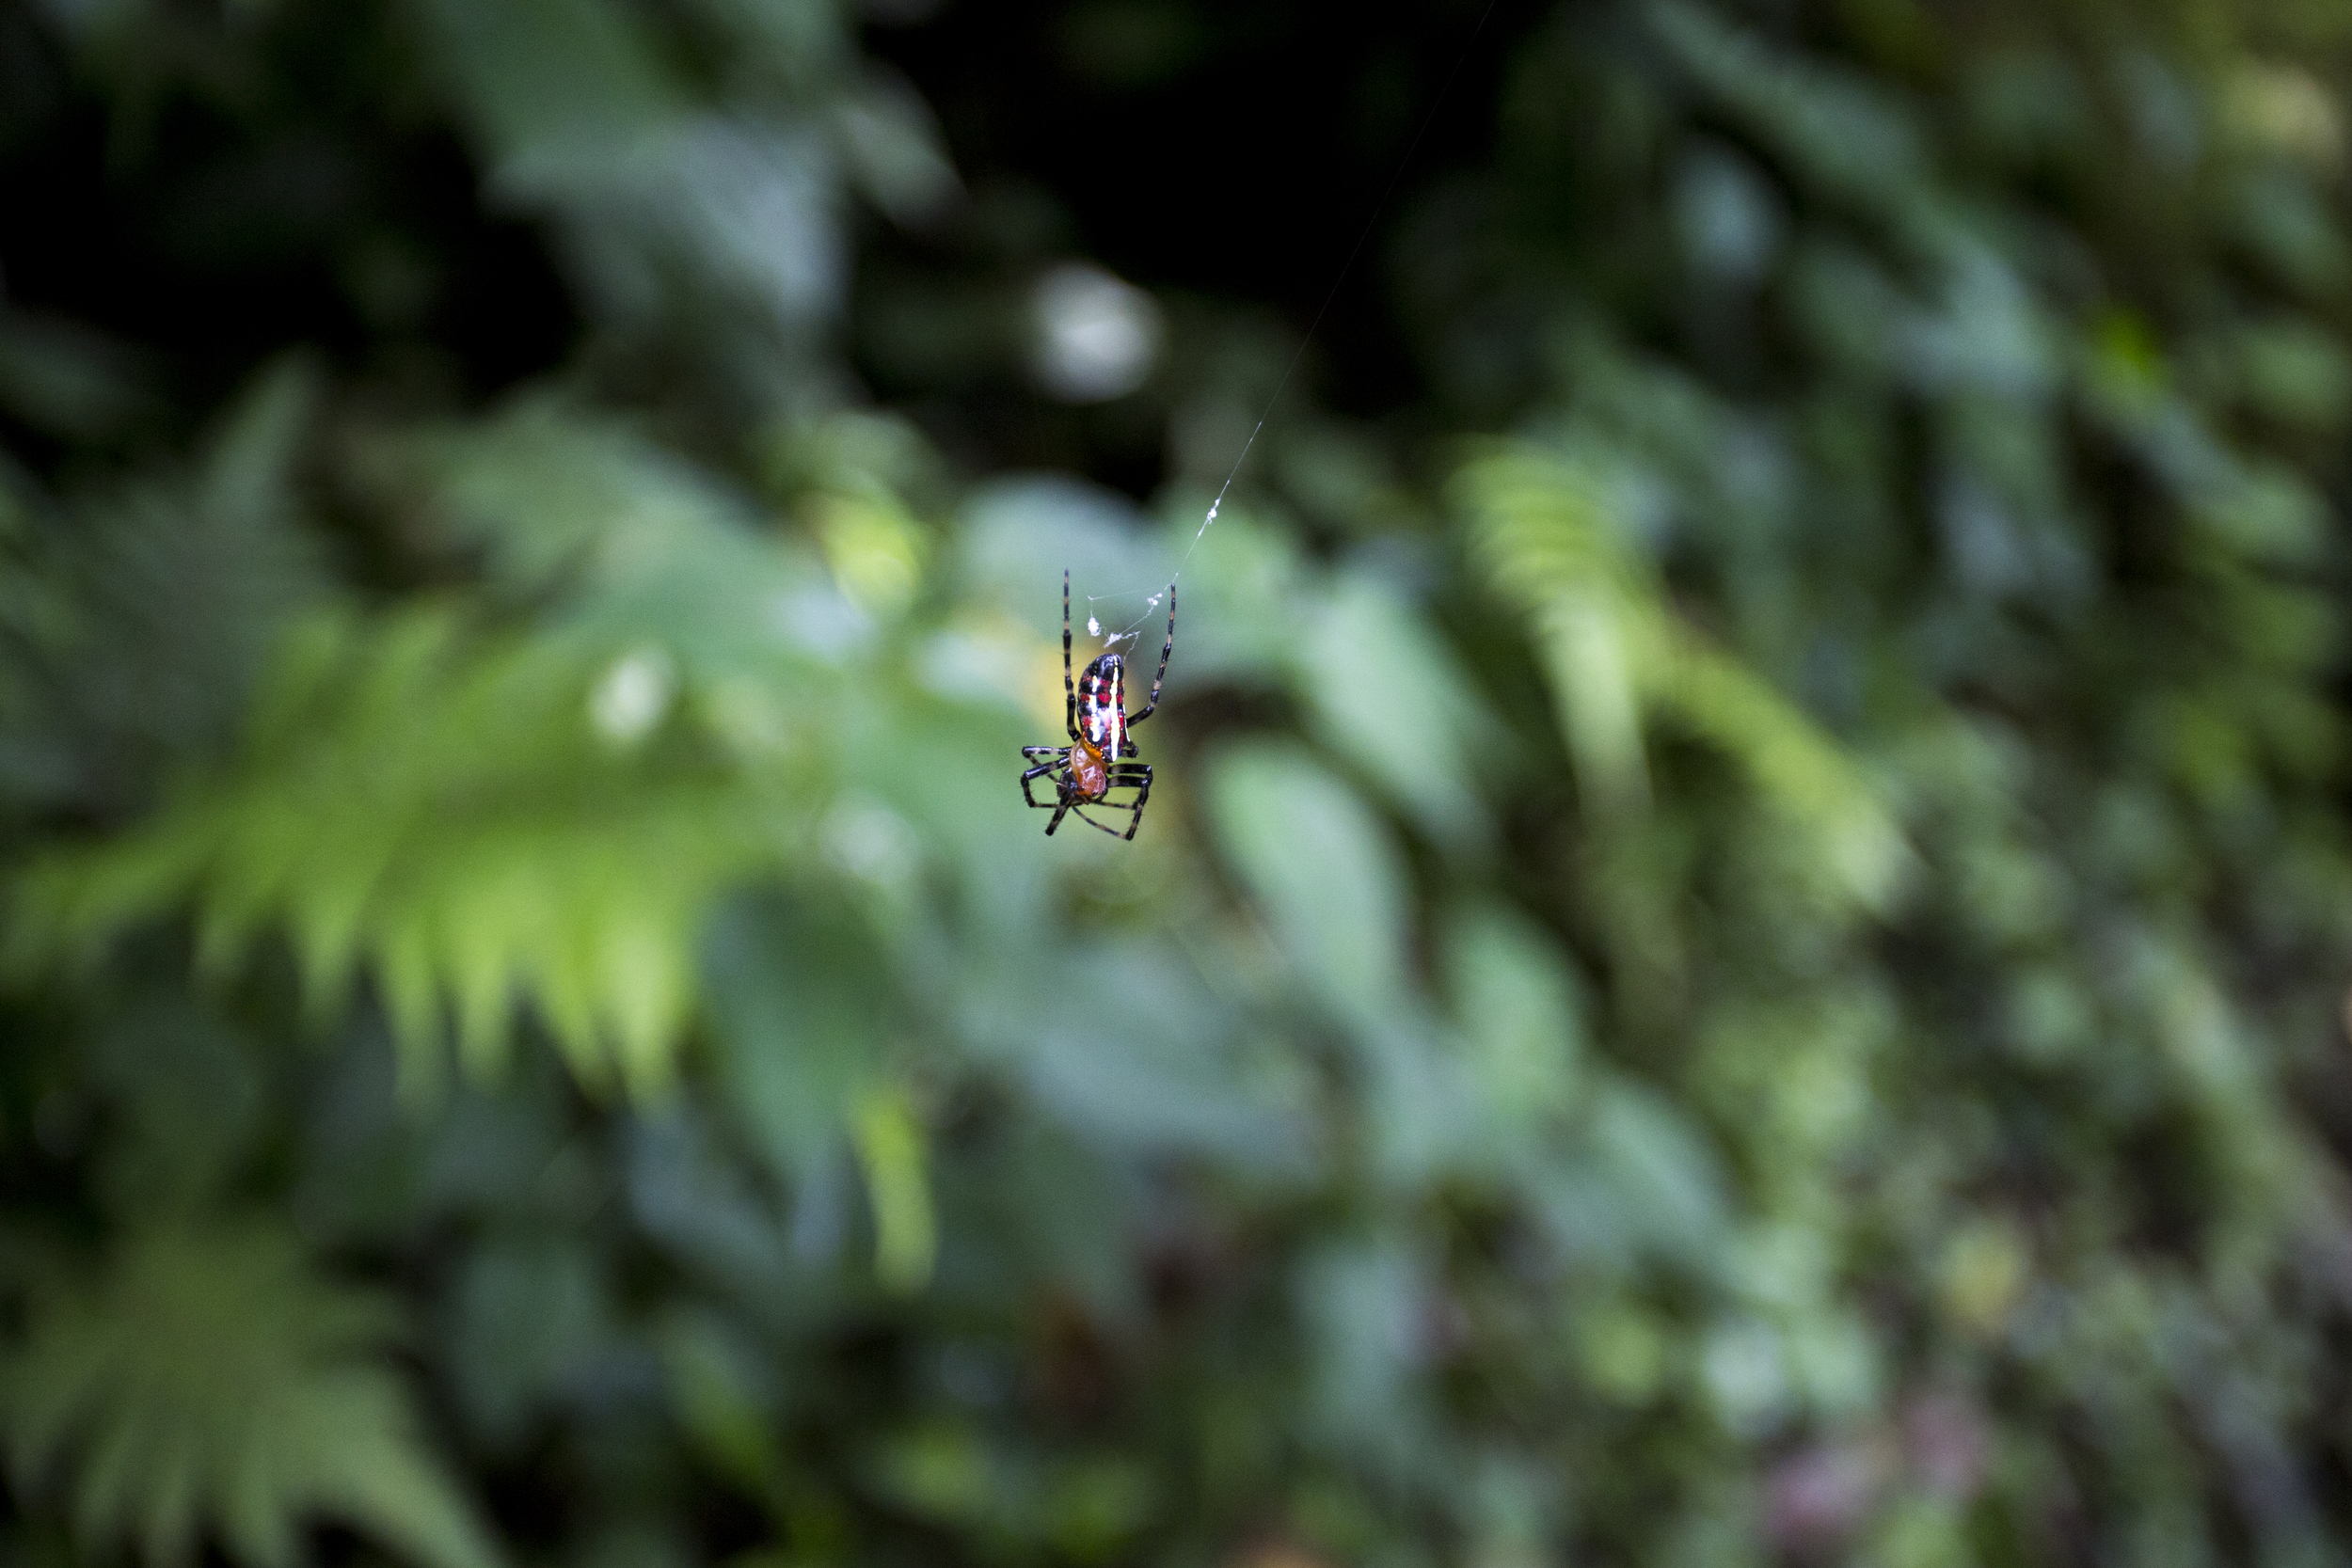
(1096, 760)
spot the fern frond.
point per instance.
(485, 820)
(135, 620)
(444, 808)
(1619, 653)
(211, 1383)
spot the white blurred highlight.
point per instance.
(1096, 338)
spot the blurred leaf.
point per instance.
(1020, 534)
(61, 377)
(800, 995)
(398, 804)
(1330, 881)
(1612, 644)
(890, 1146)
(554, 71)
(208, 1382)
(1643, 1184)
(894, 146)
(1518, 1011)
(2293, 371)
(583, 117)
(1390, 698)
(942, 1471)
(1837, 129)
(1323, 872)
(1366, 1306)
(718, 1382)
(526, 1325)
(190, 1099)
(141, 616)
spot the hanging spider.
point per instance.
(1096, 761)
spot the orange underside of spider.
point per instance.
(1090, 775)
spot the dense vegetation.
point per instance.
(1739, 948)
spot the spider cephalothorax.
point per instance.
(1098, 758)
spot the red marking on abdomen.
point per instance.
(1102, 710)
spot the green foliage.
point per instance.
(1738, 949)
(133, 631)
(458, 813)
(208, 1382)
(1616, 654)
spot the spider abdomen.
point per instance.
(1090, 774)
(1103, 705)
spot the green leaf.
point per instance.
(1542, 525)
(208, 1382)
(528, 1318)
(135, 621)
(1328, 879)
(446, 808)
(1324, 870)
(553, 72)
(799, 992)
(891, 1148)
(1516, 1007)
(1384, 690)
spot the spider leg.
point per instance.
(1069, 687)
(1139, 775)
(1167, 648)
(1091, 823)
(1039, 771)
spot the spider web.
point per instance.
(1151, 598)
